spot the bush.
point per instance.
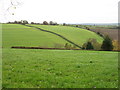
(99, 34)
(76, 25)
(84, 46)
(69, 46)
(95, 44)
(66, 46)
(107, 44)
(87, 28)
(116, 45)
(89, 46)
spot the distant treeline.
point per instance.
(43, 23)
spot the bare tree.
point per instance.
(13, 5)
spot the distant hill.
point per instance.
(100, 24)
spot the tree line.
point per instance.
(92, 44)
(26, 22)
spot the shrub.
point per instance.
(99, 34)
(116, 45)
(95, 44)
(107, 44)
(84, 46)
(76, 25)
(66, 46)
(69, 46)
(87, 28)
(89, 46)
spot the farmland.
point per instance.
(28, 36)
(112, 31)
(36, 68)
(19, 35)
(59, 69)
(77, 35)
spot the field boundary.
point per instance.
(56, 34)
(23, 47)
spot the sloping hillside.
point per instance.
(19, 35)
(77, 35)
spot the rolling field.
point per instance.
(59, 69)
(112, 32)
(19, 35)
(77, 35)
(36, 68)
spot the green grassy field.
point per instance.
(77, 35)
(59, 69)
(19, 35)
(30, 68)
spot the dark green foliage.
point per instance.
(76, 25)
(64, 24)
(94, 44)
(99, 34)
(83, 48)
(107, 44)
(89, 46)
(45, 23)
(69, 46)
(66, 45)
(78, 66)
(91, 62)
(87, 28)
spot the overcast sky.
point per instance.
(61, 11)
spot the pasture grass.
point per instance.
(19, 35)
(24, 68)
(77, 35)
